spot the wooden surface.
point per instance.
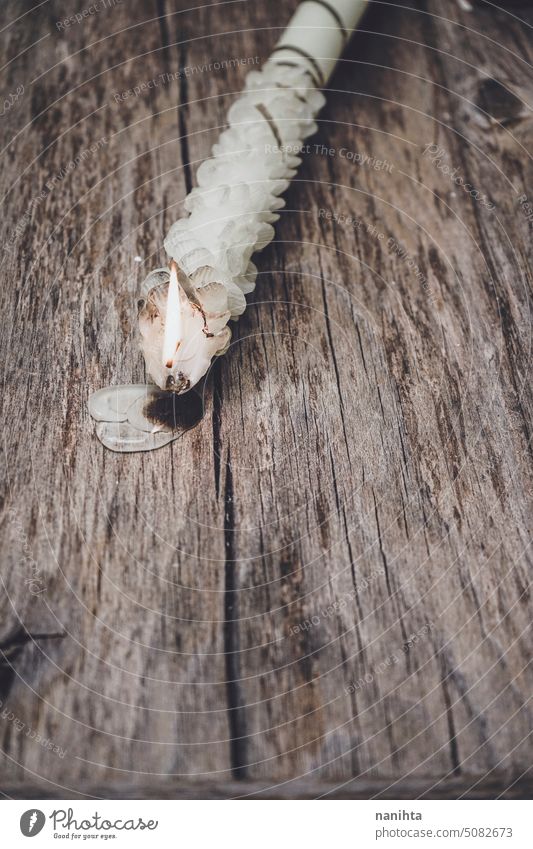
(324, 588)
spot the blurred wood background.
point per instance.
(324, 588)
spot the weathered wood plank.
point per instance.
(238, 607)
(296, 788)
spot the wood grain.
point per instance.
(323, 588)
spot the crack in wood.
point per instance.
(235, 700)
(10, 650)
(184, 135)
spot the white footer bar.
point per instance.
(267, 824)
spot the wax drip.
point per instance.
(136, 417)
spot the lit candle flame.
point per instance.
(172, 335)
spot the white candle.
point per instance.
(236, 202)
(317, 34)
(184, 314)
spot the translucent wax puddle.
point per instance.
(137, 417)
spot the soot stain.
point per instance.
(175, 412)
